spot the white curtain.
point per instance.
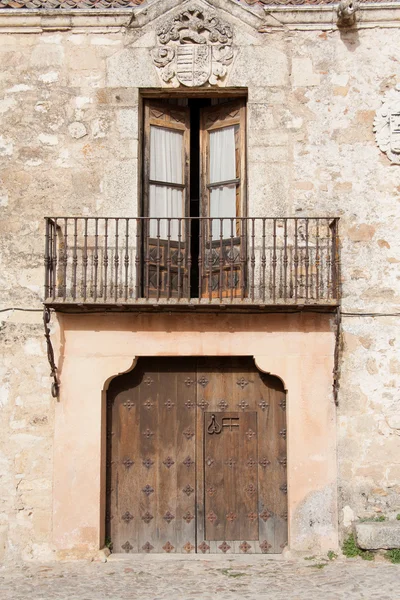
(166, 164)
(223, 168)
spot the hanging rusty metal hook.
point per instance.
(213, 426)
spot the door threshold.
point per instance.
(242, 558)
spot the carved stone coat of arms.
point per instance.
(195, 48)
(387, 125)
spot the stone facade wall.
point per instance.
(69, 145)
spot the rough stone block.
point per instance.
(376, 535)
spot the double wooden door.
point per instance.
(196, 458)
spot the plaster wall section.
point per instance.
(69, 145)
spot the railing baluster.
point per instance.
(263, 260)
(317, 260)
(210, 258)
(158, 260)
(96, 257)
(75, 258)
(105, 258)
(179, 258)
(221, 258)
(189, 255)
(168, 258)
(243, 257)
(139, 230)
(274, 262)
(65, 260)
(116, 259)
(55, 260)
(85, 259)
(328, 260)
(147, 259)
(252, 259)
(285, 258)
(337, 259)
(231, 260)
(296, 259)
(47, 260)
(126, 261)
(307, 262)
(200, 260)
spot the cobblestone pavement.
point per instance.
(167, 577)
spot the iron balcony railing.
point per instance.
(178, 261)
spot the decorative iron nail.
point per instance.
(169, 404)
(209, 461)
(147, 547)
(188, 462)
(282, 404)
(188, 490)
(251, 463)
(212, 517)
(148, 380)
(251, 489)
(250, 434)
(282, 433)
(188, 517)
(127, 547)
(284, 516)
(223, 405)
(243, 404)
(203, 404)
(244, 547)
(264, 462)
(282, 461)
(147, 490)
(203, 381)
(211, 491)
(263, 405)
(189, 404)
(231, 462)
(127, 517)
(189, 381)
(242, 382)
(168, 517)
(283, 488)
(168, 547)
(188, 433)
(129, 404)
(252, 516)
(128, 462)
(148, 463)
(203, 547)
(188, 547)
(147, 517)
(224, 547)
(265, 546)
(148, 434)
(168, 462)
(231, 516)
(265, 515)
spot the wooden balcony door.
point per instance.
(181, 256)
(223, 199)
(196, 458)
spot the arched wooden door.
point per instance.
(196, 458)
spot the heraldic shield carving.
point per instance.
(387, 125)
(195, 48)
